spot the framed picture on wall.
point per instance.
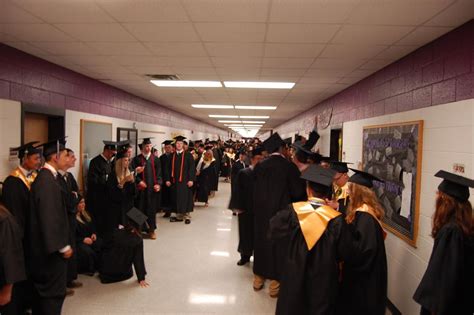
(129, 134)
(393, 152)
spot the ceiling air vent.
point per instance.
(163, 76)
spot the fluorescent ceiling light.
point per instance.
(255, 107)
(253, 125)
(223, 116)
(212, 106)
(252, 122)
(230, 121)
(183, 83)
(254, 117)
(259, 85)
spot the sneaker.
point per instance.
(243, 261)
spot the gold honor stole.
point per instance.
(341, 193)
(365, 208)
(313, 222)
(26, 180)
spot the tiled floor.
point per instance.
(191, 270)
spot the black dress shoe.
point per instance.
(174, 219)
(167, 215)
(187, 221)
(242, 261)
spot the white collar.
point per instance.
(63, 173)
(278, 153)
(104, 158)
(147, 156)
(24, 171)
(51, 169)
(179, 152)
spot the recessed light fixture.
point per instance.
(255, 107)
(259, 85)
(223, 116)
(212, 106)
(254, 117)
(183, 83)
(252, 122)
(230, 121)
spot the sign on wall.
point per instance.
(393, 152)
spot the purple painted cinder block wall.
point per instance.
(29, 79)
(437, 73)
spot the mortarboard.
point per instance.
(147, 140)
(455, 185)
(121, 155)
(208, 147)
(53, 146)
(321, 178)
(123, 145)
(288, 141)
(273, 143)
(136, 216)
(318, 158)
(299, 147)
(340, 167)
(363, 178)
(26, 149)
(110, 145)
(167, 142)
(185, 142)
(257, 151)
(179, 138)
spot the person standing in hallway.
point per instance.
(340, 186)
(205, 174)
(181, 176)
(165, 160)
(149, 185)
(446, 287)
(236, 167)
(277, 185)
(217, 153)
(47, 233)
(100, 168)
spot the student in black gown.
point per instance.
(47, 233)
(148, 185)
(165, 160)
(205, 174)
(124, 251)
(277, 185)
(310, 282)
(181, 176)
(12, 263)
(217, 153)
(447, 286)
(227, 162)
(88, 243)
(121, 190)
(99, 171)
(243, 197)
(236, 167)
(340, 185)
(362, 248)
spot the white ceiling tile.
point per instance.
(117, 48)
(11, 13)
(8, 38)
(62, 62)
(359, 73)
(163, 32)
(337, 64)
(28, 48)
(293, 50)
(399, 12)
(183, 70)
(145, 10)
(90, 60)
(301, 33)
(149, 69)
(310, 11)
(227, 11)
(104, 32)
(35, 32)
(232, 62)
(423, 35)
(66, 49)
(126, 60)
(458, 13)
(351, 51)
(396, 52)
(234, 49)
(275, 72)
(109, 69)
(287, 63)
(59, 11)
(231, 32)
(177, 49)
(349, 80)
(375, 64)
(370, 34)
(123, 77)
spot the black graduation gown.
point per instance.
(120, 201)
(446, 287)
(364, 277)
(310, 283)
(218, 157)
(47, 232)
(119, 254)
(148, 200)
(12, 263)
(245, 184)
(181, 194)
(226, 165)
(236, 167)
(96, 197)
(165, 190)
(277, 185)
(87, 255)
(204, 182)
(15, 196)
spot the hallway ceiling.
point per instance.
(322, 45)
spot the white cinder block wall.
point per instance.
(10, 134)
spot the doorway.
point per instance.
(335, 151)
(41, 123)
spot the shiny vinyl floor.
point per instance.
(191, 270)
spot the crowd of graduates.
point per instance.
(314, 232)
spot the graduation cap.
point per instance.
(288, 141)
(208, 147)
(53, 146)
(257, 151)
(318, 158)
(298, 137)
(273, 143)
(454, 185)
(213, 142)
(167, 142)
(26, 149)
(179, 138)
(363, 178)
(136, 216)
(147, 140)
(243, 151)
(340, 167)
(320, 178)
(110, 145)
(300, 147)
(121, 155)
(123, 145)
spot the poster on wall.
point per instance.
(393, 152)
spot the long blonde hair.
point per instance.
(120, 171)
(83, 216)
(360, 195)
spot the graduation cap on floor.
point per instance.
(273, 143)
(53, 146)
(179, 138)
(364, 178)
(167, 142)
(340, 167)
(26, 149)
(110, 145)
(321, 178)
(136, 216)
(147, 140)
(455, 185)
